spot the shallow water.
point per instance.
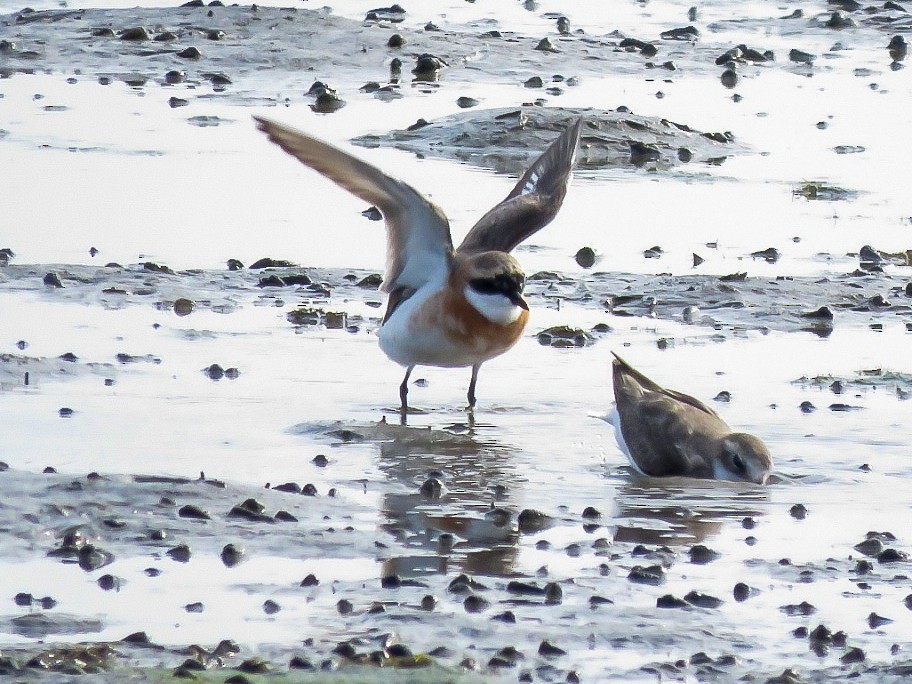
(149, 185)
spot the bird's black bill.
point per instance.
(518, 300)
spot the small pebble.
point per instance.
(798, 511)
(741, 592)
(875, 621)
(475, 604)
(52, 280)
(585, 257)
(549, 650)
(670, 601)
(853, 655)
(701, 555)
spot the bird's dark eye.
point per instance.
(737, 461)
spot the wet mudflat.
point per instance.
(202, 476)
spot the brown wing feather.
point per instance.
(532, 203)
(419, 244)
(646, 383)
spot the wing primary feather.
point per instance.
(419, 246)
(532, 203)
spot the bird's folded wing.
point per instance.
(667, 441)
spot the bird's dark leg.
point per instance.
(403, 395)
(472, 382)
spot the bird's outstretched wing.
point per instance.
(533, 202)
(419, 247)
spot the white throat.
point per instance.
(495, 307)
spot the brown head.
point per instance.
(742, 457)
(493, 282)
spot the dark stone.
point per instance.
(428, 66)
(701, 555)
(585, 257)
(804, 608)
(702, 600)
(52, 280)
(91, 558)
(136, 33)
(183, 306)
(300, 663)
(741, 592)
(553, 593)
(549, 650)
(524, 588)
(327, 103)
(591, 513)
(653, 574)
(193, 512)
(475, 604)
(870, 546)
(253, 666)
(371, 282)
(853, 655)
(670, 601)
(891, 555)
(530, 521)
(771, 255)
(289, 487)
(875, 621)
(432, 488)
(391, 582)
(685, 33)
(181, 553)
(798, 511)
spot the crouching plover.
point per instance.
(664, 432)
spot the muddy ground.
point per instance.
(349, 549)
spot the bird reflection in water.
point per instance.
(682, 511)
(451, 508)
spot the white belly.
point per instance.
(410, 345)
(614, 418)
